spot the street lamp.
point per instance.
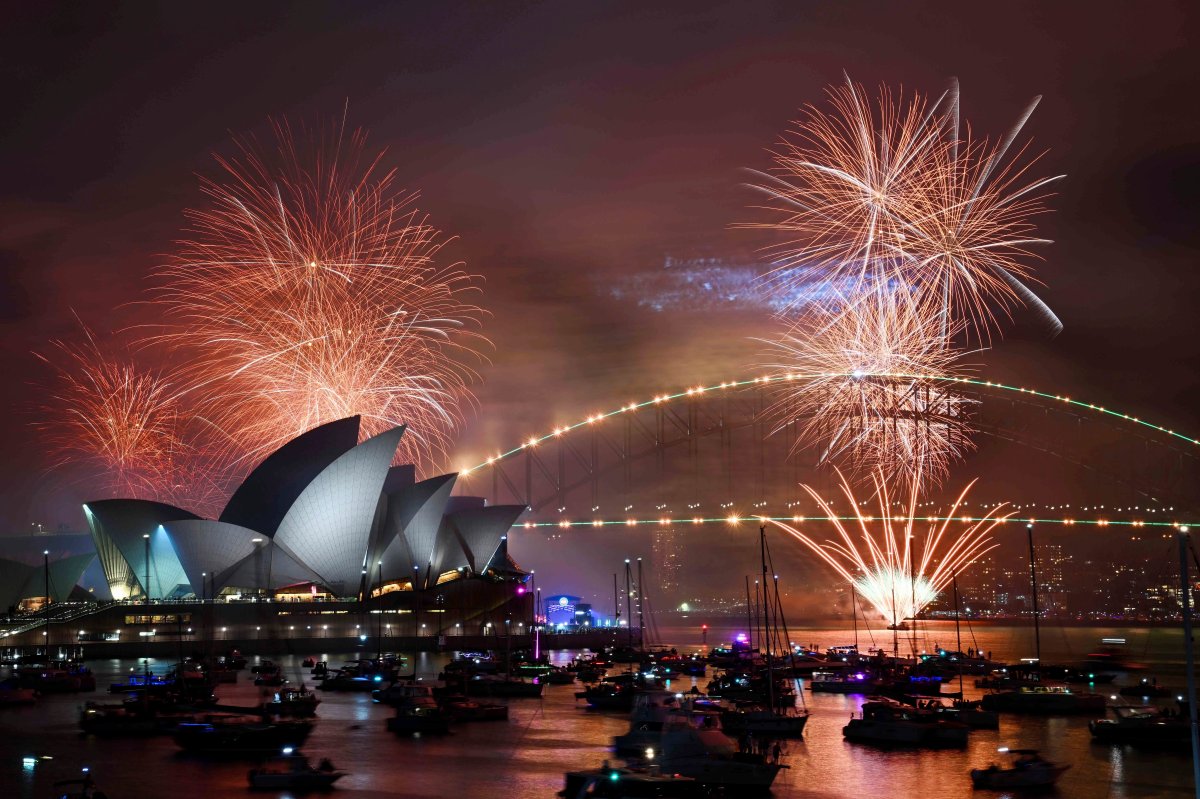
(379, 624)
(146, 539)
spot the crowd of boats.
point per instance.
(729, 731)
(732, 734)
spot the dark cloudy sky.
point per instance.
(567, 142)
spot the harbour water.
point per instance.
(526, 756)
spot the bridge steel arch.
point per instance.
(687, 447)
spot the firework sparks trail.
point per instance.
(900, 192)
(119, 427)
(882, 557)
(874, 393)
(310, 290)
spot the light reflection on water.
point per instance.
(527, 756)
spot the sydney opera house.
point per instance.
(323, 512)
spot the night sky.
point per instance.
(573, 145)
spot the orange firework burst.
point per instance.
(862, 383)
(110, 421)
(896, 193)
(883, 558)
(308, 291)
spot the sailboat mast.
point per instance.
(1037, 627)
(757, 630)
(616, 602)
(1185, 598)
(762, 548)
(749, 621)
(628, 606)
(958, 636)
(912, 584)
(854, 615)
(641, 591)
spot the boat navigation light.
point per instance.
(1113, 697)
(649, 753)
(287, 750)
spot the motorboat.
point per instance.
(1147, 689)
(416, 709)
(557, 677)
(57, 677)
(82, 788)
(842, 682)
(271, 679)
(293, 703)
(136, 718)
(1044, 699)
(240, 734)
(492, 685)
(146, 682)
(404, 692)
(12, 694)
(708, 756)
(651, 709)
(764, 722)
(607, 695)
(607, 782)
(291, 771)
(885, 721)
(970, 713)
(461, 708)
(419, 718)
(340, 680)
(358, 675)
(657, 715)
(1029, 770)
(1146, 726)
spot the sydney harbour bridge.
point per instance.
(711, 452)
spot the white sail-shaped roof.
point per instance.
(118, 528)
(210, 547)
(414, 516)
(329, 526)
(481, 530)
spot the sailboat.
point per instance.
(770, 721)
(1035, 696)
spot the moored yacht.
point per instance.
(1029, 770)
(1146, 726)
(1044, 699)
(291, 771)
(623, 783)
(240, 735)
(883, 721)
(709, 757)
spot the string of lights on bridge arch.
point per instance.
(735, 520)
(696, 391)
